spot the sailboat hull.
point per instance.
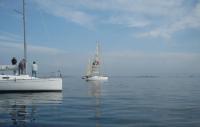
(97, 78)
(31, 85)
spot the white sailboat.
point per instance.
(26, 83)
(93, 69)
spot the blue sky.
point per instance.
(137, 36)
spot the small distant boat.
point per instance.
(26, 83)
(93, 69)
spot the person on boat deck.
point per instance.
(34, 69)
(22, 66)
(14, 62)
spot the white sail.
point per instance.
(95, 67)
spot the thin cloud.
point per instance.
(128, 21)
(62, 9)
(156, 18)
(32, 48)
(191, 20)
(6, 36)
(15, 42)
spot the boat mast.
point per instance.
(24, 31)
(98, 57)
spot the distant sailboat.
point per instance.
(94, 66)
(26, 83)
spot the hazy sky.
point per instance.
(137, 36)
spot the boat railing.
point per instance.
(8, 67)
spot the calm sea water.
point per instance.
(120, 102)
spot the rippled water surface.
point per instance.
(120, 102)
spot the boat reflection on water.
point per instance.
(95, 92)
(21, 108)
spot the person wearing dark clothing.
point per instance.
(22, 66)
(14, 62)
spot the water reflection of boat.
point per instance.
(95, 92)
(21, 108)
